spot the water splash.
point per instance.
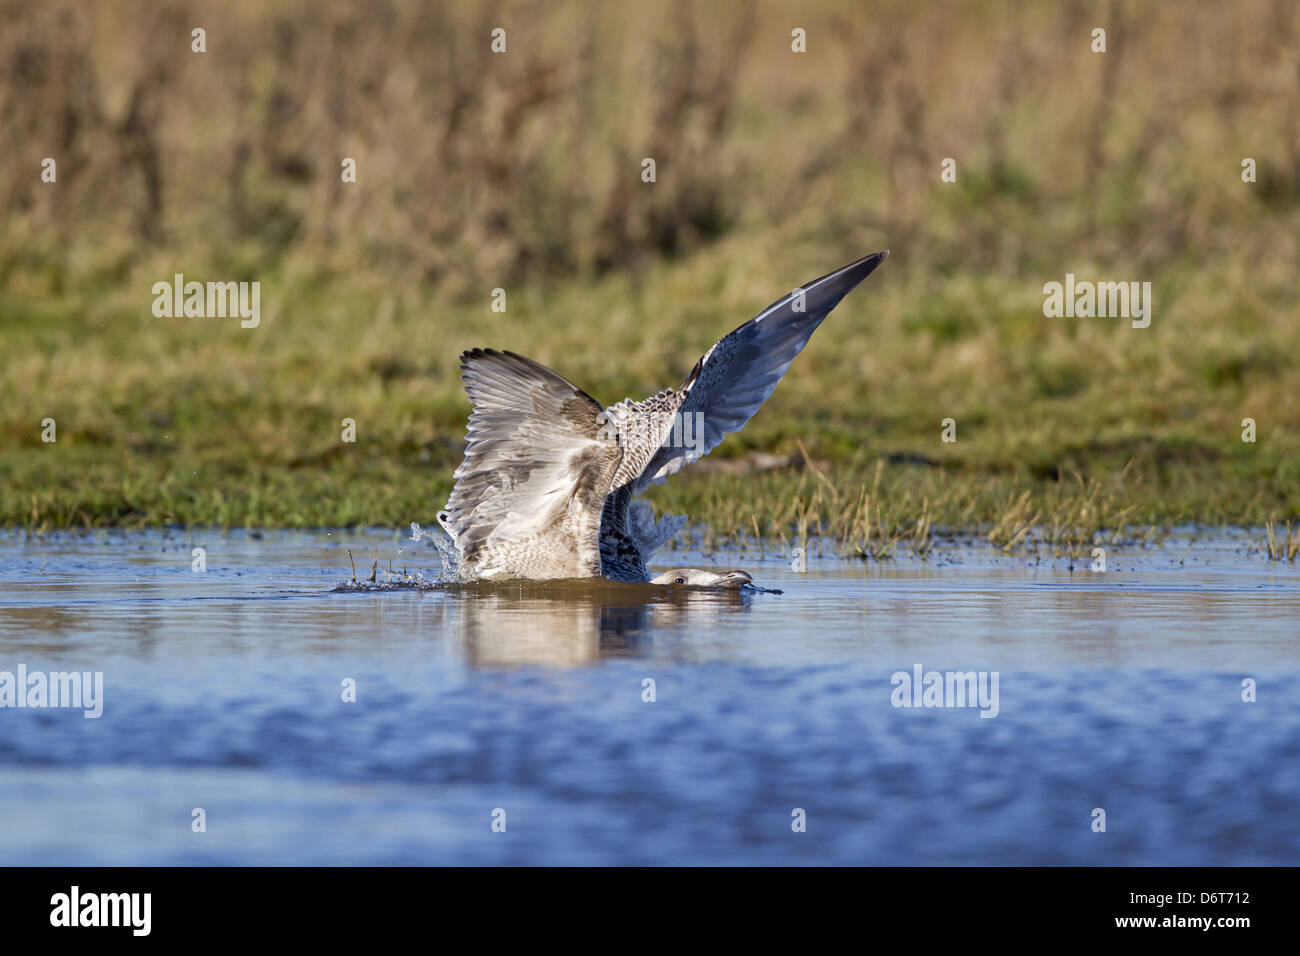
(383, 579)
(451, 572)
(392, 581)
(650, 532)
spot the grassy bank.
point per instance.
(772, 168)
(199, 421)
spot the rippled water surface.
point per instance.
(223, 691)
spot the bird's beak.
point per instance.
(735, 579)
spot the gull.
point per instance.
(548, 488)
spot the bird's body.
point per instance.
(549, 484)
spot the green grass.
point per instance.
(1071, 426)
(522, 172)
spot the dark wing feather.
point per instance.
(735, 377)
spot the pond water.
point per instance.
(528, 705)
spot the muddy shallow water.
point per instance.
(223, 690)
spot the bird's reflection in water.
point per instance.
(572, 623)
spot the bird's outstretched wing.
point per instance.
(536, 470)
(736, 376)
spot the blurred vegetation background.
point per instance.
(522, 171)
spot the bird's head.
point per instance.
(696, 577)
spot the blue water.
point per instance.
(222, 691)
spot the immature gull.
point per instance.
(547, 485)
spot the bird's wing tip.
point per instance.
(470, 356)
(858, 270)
